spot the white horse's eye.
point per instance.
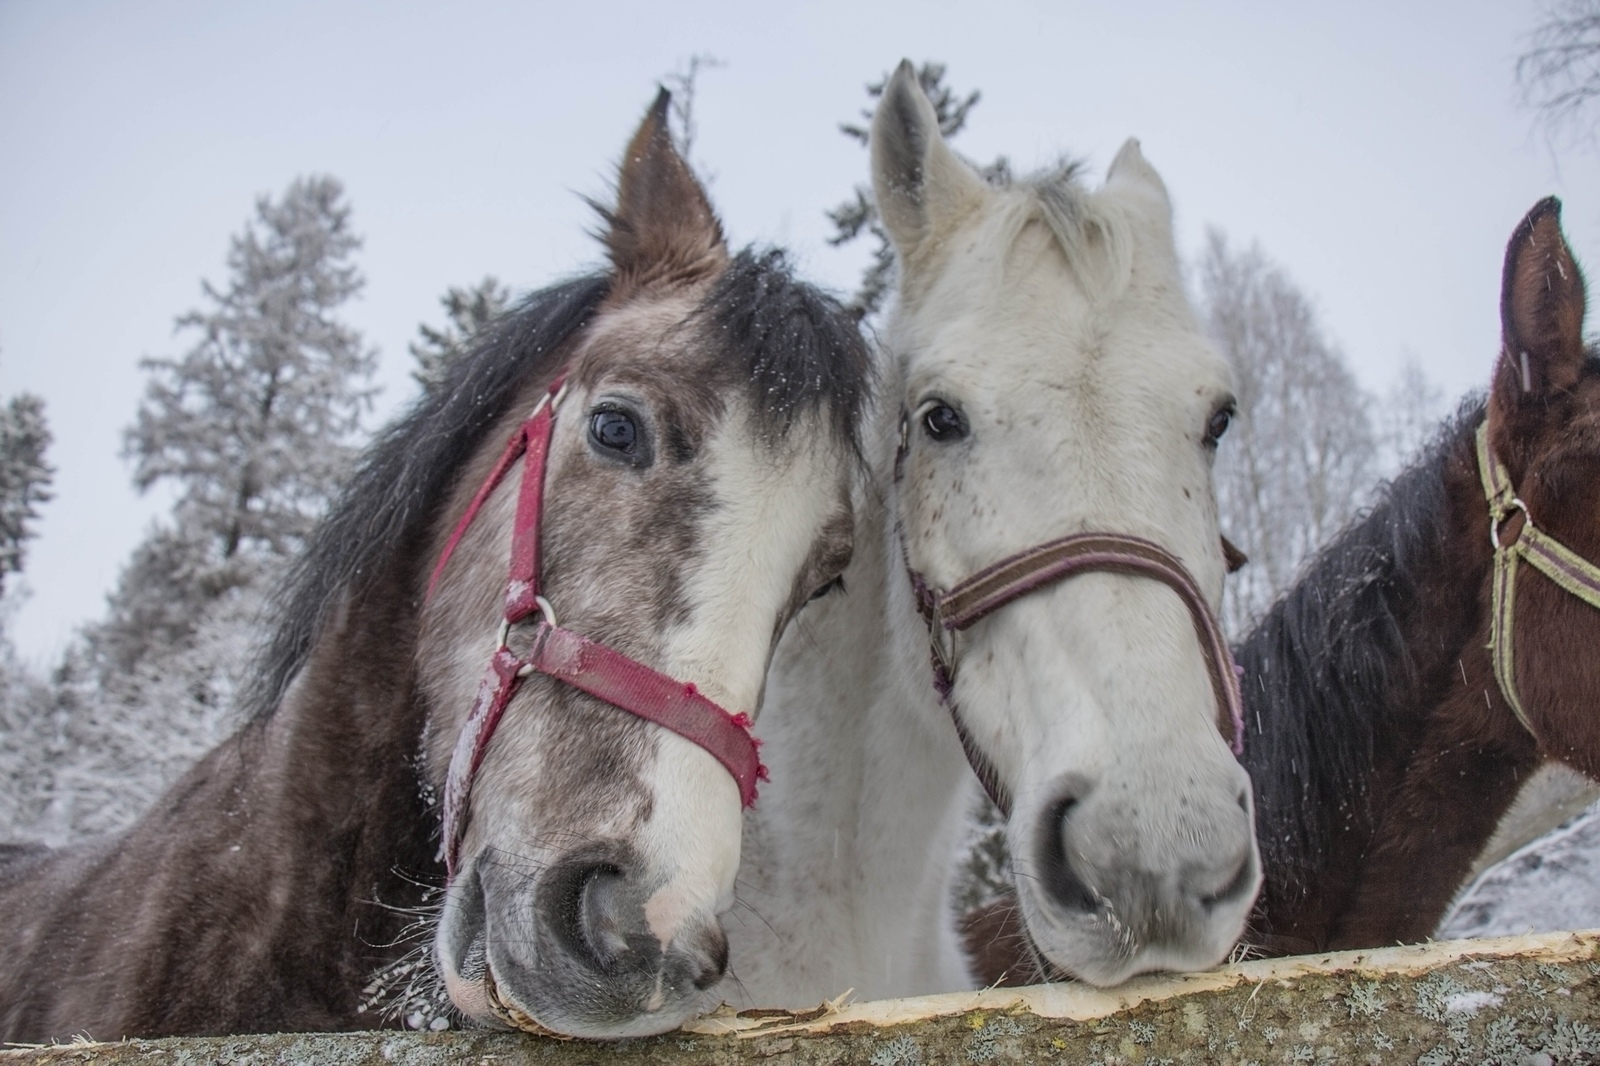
(944, 423)
(1220, 421)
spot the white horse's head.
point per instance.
(1054, 380)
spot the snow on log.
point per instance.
(1532, 999)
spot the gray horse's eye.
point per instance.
(615, 431)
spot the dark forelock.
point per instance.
(793, 348)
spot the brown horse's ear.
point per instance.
(663, 230)
(1541, 316)
(1235, 558)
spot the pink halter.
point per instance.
(602, 672)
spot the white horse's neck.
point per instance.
(845, 875)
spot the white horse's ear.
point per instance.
(922, 187)
(1131, 168)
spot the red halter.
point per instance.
(560, 653)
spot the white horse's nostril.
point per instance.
(1062, 881)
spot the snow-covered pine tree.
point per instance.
(254, 423)
(254, 427)
(467, 311)
(24, 476)
(858, 215)
(27, 727)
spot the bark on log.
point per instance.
(1518, 1000)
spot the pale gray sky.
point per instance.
(1374, 149)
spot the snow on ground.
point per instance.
(1549, 885)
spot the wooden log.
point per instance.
(1531, 1000)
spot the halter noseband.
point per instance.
(949, 611)
(1538, 549)
(586, 665)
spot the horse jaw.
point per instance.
(1055, 320)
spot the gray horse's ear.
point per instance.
(923, 188)
(663, 230)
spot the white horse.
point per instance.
(1044, 375)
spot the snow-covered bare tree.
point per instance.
(858, 215)
(24, 476)
(254, 428)
(1559, 74)
(1408, 416)
(685, 84)
(467, 311)
(1303, 456)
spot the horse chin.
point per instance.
(1103, 947)
(572, 952)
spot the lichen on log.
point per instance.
(1524, 1000)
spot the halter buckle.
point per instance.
(1499, 517)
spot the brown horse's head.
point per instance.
(697, 495)
(1544, 423)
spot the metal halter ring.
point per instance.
(1496, 521)
(547, 614)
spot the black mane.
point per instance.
(393, 499)
(1330, 661)
(791, 347)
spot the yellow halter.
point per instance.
(1545, 554)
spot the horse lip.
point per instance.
(512, 1014)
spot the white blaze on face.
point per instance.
(770, 503)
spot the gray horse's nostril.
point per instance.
(583, 904)
(1061, 881)
(708, 953)
(604, 922)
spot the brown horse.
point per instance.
(1383, 749)
(696, 494)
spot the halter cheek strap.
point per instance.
(586, 665)
(1531, 545)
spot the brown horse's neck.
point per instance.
(1385, 756)
(264, 889)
